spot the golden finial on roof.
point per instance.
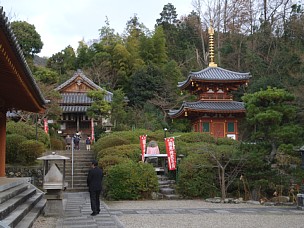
(211, 45)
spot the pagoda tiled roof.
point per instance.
(210, 107)
(215, 74)
(80, 98)
(77, 102)
(74, 109)
(79, 73)
(75, 98)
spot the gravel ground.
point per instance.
(212, 221)
(167, 204)
(202, 220)
(45, 222)
(207, 220)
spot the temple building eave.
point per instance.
(226, 107)
(216, 75)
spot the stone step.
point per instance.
(171, 197)
(33, 214)
(162, 177)
(11, 192)
(166, 182)
(10, 205)
(21, 211)
(77, 182)
(77, 177)
(7, 183)
(77, 169)
(167, 191)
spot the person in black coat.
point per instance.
(94, 180)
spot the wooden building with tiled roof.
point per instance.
(18, 89)
(215, 112)
(75, 103)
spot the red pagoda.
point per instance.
(215, 112)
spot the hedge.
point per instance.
(129, 181)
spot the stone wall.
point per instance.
(34, 172)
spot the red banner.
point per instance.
(92, 131)
(170, 148)
(46, 126)
(143, 139)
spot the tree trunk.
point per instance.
(222, 182)
(265, 10)
(273, 152)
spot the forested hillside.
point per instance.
(265, 38)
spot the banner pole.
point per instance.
(72, 162)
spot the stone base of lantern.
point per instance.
(54, 203)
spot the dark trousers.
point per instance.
(95, 203)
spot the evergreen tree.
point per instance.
(271, 116)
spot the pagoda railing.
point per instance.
(216, 96)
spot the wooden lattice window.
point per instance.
(230, 127)
(206, 127)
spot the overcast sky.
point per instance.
(65, 22)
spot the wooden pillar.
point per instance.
(2, 142)
(77, 122)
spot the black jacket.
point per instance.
(94, 179)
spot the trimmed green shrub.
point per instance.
(110, 160)
(194, 137)
(13, 142)
(132, 137)
(28, 131)
(57, 144)
(29, 151)
(109, 141)
(131, 151)
(196, 177)
(130, 180)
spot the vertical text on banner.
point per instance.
(46, 125)
(143, 139)
(92, 130)
(170, 148)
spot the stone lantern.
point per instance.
(300, 196)
(54, 183)
(108, 127)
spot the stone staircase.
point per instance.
(167, 188)
(82, 163)
(20, 202)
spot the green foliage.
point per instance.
(46, 75)
(131, 151)
(194, 137)
(110, 160)
(272, 114)
(118, 109)
(28, 131)
(29, 151)
(130, 180)
(145, 84)
(57, 144)
(100, 107)
(109, 141)
(13, 142)
(196, 177)
(28, 38)
(168, 15)
(63, 61)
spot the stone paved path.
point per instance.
(257, 211)
(77, 213)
